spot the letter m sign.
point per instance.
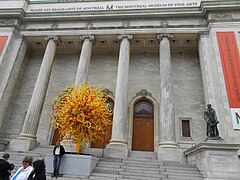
(237, 118)
(235, 112)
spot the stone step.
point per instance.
(141, 178)
(192, 171)
(142, 165)
(184, 177)
(178, 168)
(111, 160)
(106, 175)
(139, 168)
(145, 162)
(110, 163)
(107, 170)
(143, 174)
(143, 155)
(108, 166)
(102, 178)
(145, 171)
(181, 174)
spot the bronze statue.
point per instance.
(212, 121)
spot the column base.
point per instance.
(215, 160)
(171, 154)
(3, 144)
(168, 144)
(116, 150)
(22, 144)
(27, 137)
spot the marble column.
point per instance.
(118, 143)
(84, 60)
(36, 103)
(167, 119)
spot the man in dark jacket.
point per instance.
(58, 153)
(5, 167)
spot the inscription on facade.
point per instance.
(111, 6)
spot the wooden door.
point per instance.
(143, 133)
(106, 136)
(55, 137)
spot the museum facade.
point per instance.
(161, 63)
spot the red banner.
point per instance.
(231, 66)
(3, 40)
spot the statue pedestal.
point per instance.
(215, 160)
(73, 164)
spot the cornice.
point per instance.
(13, 13)
(204, 8)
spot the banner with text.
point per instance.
(3, 40)
(112, 6)
(231, 68)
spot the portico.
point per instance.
(105, 53)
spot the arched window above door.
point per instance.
(143, 108)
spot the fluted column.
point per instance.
(167, 120)
(84, 60)
(36, 103)
(118, 143)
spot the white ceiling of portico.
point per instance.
(111, 41)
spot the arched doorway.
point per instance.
(143, 126)
(107, 133)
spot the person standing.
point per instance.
(5, 167)
(24, 171)
(39, 171)
(58, 152)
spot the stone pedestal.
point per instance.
(22, 145)
(215, 159)
(171, 154)
(73, 164)
(114, 150)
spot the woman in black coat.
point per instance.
(39, 171)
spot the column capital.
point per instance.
(161, 36)
(54, 38)
(128, 36)
(90, 37)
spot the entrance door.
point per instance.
(143, 126)
(143, 133)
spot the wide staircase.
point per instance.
(142, 166)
